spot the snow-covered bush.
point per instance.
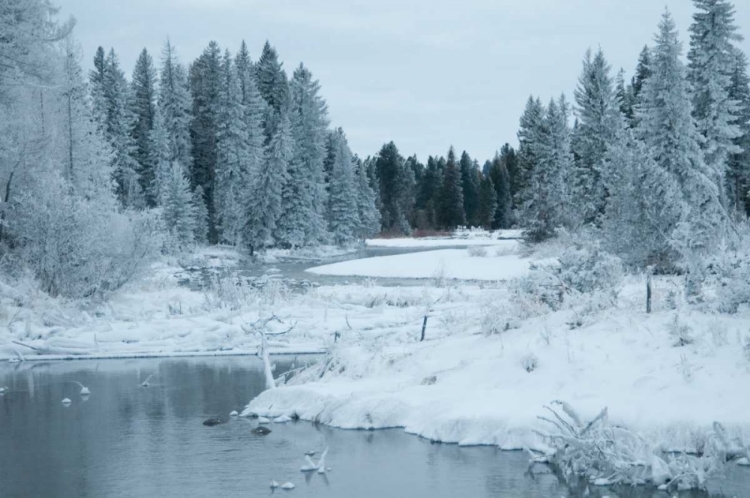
(477, 251)
(529, 362)
(681, 334)
(605, 454)
(536, 293)
(589, 268)
(77, 246)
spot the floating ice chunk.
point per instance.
(263, 420)
(288, 486)
(282, 419)
(84, 390)
(66, 402)
(234, 413)
(274, 484)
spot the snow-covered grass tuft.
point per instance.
(606, 454)
(530, 362)
(681, 334)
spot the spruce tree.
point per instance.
(200, 211)
(343, 211)
(369, 216)
(175, 107)
(711, 61)
(143, 106)
(233, 162)
(305, 193)
(265, 204)
(487, 203)
(598, 120)
(470, 187)
(205, 87)
(396, 187)
(668, 128)
(521, 179)
(452, 199)
(161, 156)
(501, 182)
(272, 80)
(738, 171)
(254, 107)
(178, 210)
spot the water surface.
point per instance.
(130, 441)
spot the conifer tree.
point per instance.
(501, 182)
(161, 156)
(254, 107)
(272, 80)
(201, 219)
(738, 173)
(452, 200)
(175, 107)
(396, 187)
(470, 187)
(304, 195)
(265, 204)
(598, 120)
(711, 61)
(178, 210)
(205, 87)
(369, 216)
(487, 203)
(343, 209)
(530, 121)
(668, 128)
(233, 161)
(143, 106)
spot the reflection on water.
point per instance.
(126, 440)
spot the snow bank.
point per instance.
(619, 358)
(451, 264)
(468, 238)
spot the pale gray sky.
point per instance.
(423, 73)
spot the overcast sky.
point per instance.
(423, 73)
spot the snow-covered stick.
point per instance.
(259, 327)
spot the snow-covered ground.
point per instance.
(468, 382)
(498, 263)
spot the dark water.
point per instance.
(130, 441)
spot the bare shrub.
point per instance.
(530, 362)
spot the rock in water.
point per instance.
(263, 420)
(66, 402)
(211, 422)
(234, 414)
(261, 431)
(282, 419)
(288, 486)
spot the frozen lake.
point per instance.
(127, 440)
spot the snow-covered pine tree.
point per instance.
(265, 204)
(112, 112)
(530, 121)
(254, 107)
(487, 203)
(711, 61)
(501, 182)
(666, 125)
(161, 155)
(738, 171)
(645, 205)
(598, 115)
(178, 211)
(396, 189)
(143, 108)
(470, 187)
(174, 106)
(369, 215)
(200, 211)
(234, 161)
(205, 87)
(271, 79)
(304, 195)
(343, 212)
(642, 72)
(452, 202)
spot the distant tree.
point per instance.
(501, 183)
(738, 170)
(470, 187)
(201, 215)
(271, 78)
(175, 107)
(487, 203)
(452, 198)
(369, 215)
(343, 210)
(396, 187)
(178, 210)
(520, 177)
